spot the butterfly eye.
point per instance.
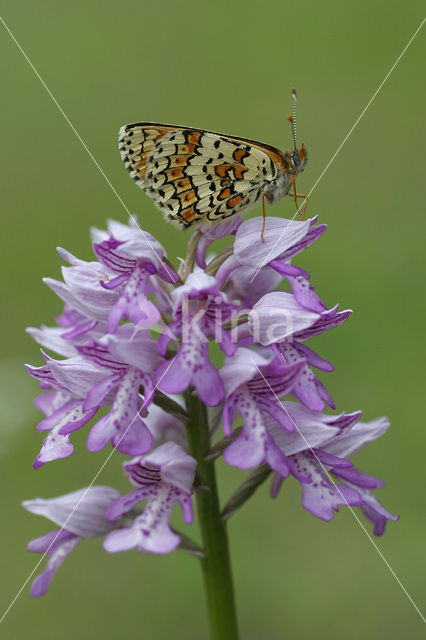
(295, 159)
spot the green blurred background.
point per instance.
(225, 66)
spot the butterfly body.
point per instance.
(197, 176)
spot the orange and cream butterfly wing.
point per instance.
(194, 175)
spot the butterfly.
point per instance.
(198, 176)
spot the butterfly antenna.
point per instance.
(292, 119)
(294, 94)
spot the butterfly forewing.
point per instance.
(194, 175)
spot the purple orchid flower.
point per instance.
(68, 382)
(111, 371)
(61, 411)
(87, 302)
(73, 329)
(80, 514)
(282, 240)
(200, 310)
(314, 459)
(280, 319)
(134, 256)
(163, 477)
(59, 405)
(253, 381)
(347, 444)
(129, 361)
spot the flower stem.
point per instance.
(216, 563)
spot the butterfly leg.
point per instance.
(299, 195)
(264, 195)
(302, 213)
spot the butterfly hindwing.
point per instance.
(194, 175)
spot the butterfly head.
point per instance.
(298, 158)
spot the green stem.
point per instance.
(216, 563)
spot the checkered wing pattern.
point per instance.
(194, 175)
